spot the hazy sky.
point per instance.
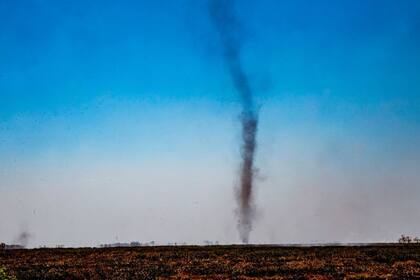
(119, 121)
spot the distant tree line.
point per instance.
(124, 244)
(405, 239)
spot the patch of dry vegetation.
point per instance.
(216, 262)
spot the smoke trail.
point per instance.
(222, 15)
(23, 238)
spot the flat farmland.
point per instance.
(216, 262)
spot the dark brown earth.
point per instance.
(216, 262)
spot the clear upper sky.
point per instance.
(117, 116)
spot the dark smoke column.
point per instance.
(222, 15)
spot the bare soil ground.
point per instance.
(216, 262)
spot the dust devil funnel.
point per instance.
(222, 16)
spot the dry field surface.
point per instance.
(216, 262)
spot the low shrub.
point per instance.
(4, 275)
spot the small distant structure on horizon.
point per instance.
(4, 246)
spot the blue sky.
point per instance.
(105, 91)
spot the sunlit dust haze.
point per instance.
(148, 120)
